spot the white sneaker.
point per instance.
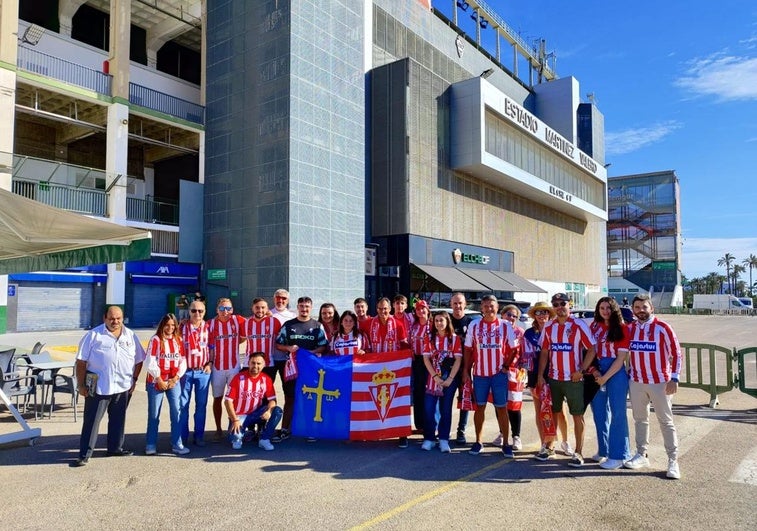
(498, 440)
(566, 448)
(265, 444)
(180, 450)
(444, 446)
(611, 464)
(150, 450)
(517, 444)
(598, 458)
(427, 445)
(236, 444)
(673, 471)
(637, 461)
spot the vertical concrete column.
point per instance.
(117, 144)
(8, 54)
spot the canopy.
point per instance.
(39, 237)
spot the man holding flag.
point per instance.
(302, 332)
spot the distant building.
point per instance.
(644, 237)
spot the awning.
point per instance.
(452, 278)
(522, 285)
(39, 237)
(489, 279)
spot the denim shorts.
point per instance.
(497, 384)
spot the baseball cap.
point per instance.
(560, 297)
(420, 304)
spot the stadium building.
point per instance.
(336, 149)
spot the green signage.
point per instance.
(216, 274)
(663, 265)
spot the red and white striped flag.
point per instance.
(380, 406)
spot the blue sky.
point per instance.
(677, 84)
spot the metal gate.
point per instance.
(746, 359)
(147, 304)
(54, 307)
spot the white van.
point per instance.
(747, 302)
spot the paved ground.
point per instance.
(338, 485)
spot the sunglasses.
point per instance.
(225, 308)
(196, 310)
(541, 312)
(559, 304)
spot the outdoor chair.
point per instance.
(6, 362)
(20, 386)
(64, 383)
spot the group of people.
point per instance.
(481, 359)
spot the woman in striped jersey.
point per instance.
(348, 340)
(165, 365)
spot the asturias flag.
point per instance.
(353, 397)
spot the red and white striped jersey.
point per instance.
(419, 336)
(492, 342)
(247, 393)
(195, 341)
(164, 356)
(565, 343)
(604, 348)
(348, 344)
(224, 341)
(261, 336)
(654, 351)
(386, 337)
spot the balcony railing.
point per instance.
(82, 200)
(165, 242)
(152, 210)
(165, 103)
(54, 67)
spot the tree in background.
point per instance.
(726, 260)
(736, 272)
(751, 263)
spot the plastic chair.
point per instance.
(6, 362)
(64, 383)
(20, 386)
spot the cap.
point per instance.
(541, 305)
(420, 304)
(560, 297)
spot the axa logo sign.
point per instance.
(163, 270)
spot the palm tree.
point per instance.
(736, 272)
(751, 263)
(726, 260)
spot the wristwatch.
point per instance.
(674, 380)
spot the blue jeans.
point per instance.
(445, 413)
(201, 383)
(253, 418)
(609, 410)
(154, 403)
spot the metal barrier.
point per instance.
(747, 378)
(707, 367)
(159, 101)
(46, 65)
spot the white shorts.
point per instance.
(220, 378)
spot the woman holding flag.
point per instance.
(442, 357)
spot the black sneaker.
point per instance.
(576, 461)
(82, 461)
(507, 451)
(460, 438)
(120, 453)
(402, 442)
(545, 454)
(476, 448)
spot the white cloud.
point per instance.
(700, 255)
(621, 142)
(727, 77)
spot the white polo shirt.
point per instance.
(112, 359)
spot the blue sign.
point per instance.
(11, 290)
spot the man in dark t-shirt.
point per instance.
(460, 322)
(300, 332)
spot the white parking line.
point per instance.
(747, 470)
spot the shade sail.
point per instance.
(522, 285)
(489, 279)
(452, 278)
(39, 237)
